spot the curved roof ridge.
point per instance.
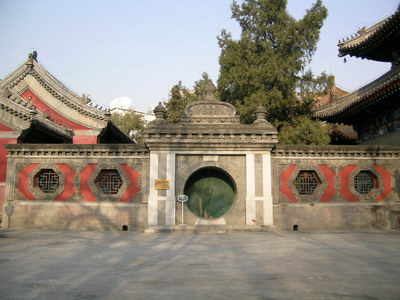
(68, 93)
(54, 86)
(375, 33)
(17, 106)
(345, 101)
(13, 75)
(16, 100)
(58, 82)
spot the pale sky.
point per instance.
(140, 49)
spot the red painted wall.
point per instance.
(344, 175)
(69, 182)
(58, 118)
(329, 191)
(133, 187)
(285, 189)
(5, 128)
(85, 189)
(23, 186)
(85, 176)
(85, 140)
(387, 182)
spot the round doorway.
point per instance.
(211, 193)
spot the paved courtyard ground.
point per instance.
(130, 265)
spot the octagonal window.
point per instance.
(365, 182)
(109, 181)
(306, 182)
(47, 181)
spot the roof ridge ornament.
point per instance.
(31, 57)
(85, 99)
(362, 31)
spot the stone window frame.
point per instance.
(314, 197)
(371, 196)
(100, 196)
(37, 192)
(49, 183)
(370, 176)
(112, 188)
(314, 175)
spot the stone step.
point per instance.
(208, 229)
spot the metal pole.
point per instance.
(182, 212)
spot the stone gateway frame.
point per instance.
(211, 193)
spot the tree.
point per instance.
(199, 85)
(180, 97)
(303, 130)
(129, 122)
(267, 65)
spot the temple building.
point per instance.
(35, 108)
(69, 167)
(374, 109)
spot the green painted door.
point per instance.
(211, 193)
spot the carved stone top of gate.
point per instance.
(210, 110)
(210, 124)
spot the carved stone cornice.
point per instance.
(209, 136)
(77, 151)
(332, 151)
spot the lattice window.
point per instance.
(47, 181)
(365, 182)
(306, 182)
(109, 181)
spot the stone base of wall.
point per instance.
(114, 216)
(76, 216)
(335, 216)
(387, 217)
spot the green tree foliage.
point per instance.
(267, 65)
(130, 123)
(303, 130)
(199, 85)
(180, 97)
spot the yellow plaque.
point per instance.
(162, 184)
